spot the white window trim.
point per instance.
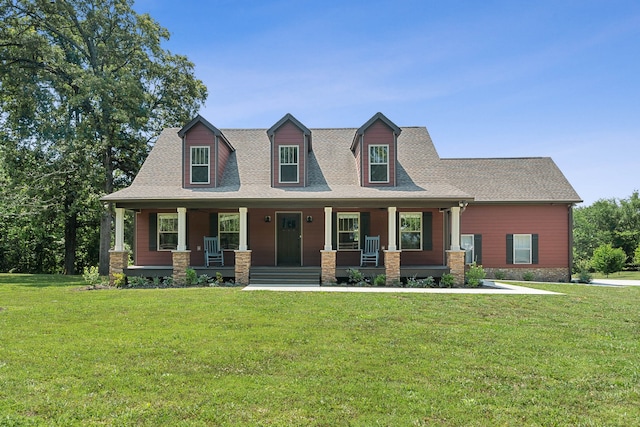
(350, 214)
(419, 214)
(158, 229)
(530, 236)
(237, 214)
(377, 164)
(473, 247)
(208, 165)
(297, 164)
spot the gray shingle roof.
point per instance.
(422, 175)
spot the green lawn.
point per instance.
(621, 275)
(221, 356)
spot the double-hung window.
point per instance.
(379, 163)
(229, 230)
(522, 249)
(348, 231)
(289, 163)
(200, 165)
(410, 231)
(467, 243)
(167, 231)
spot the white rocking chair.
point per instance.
(212, 252)
(371, 251)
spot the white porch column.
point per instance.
(242, 246)
(119, 247)
(393, 246)
(455, 228)
(328, 227)
(182, 229)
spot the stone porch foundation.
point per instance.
(328, 274)
(242, 267)
(561, 274)
(392, 267)
(455, 262)
(181, 261)
(118, 261)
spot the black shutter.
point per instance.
(534, 248)
(365, 225)
(334, 231)
(153, 231)
(509, 248)
(213, 224)
(477, 248)
(427, 231)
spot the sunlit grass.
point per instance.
(220, 356)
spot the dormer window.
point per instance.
(379, 163)
(289, 171)
(200, 165)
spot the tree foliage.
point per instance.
(607, 259)
(85, 85)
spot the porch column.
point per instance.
(455, 228)
(328, 227)
(182, 229)
(243, 230)
(392, 228)
(119, 247)
(328, 255)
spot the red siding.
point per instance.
(223, 156)
(379, 134)
(550, 222)
(143, 256)
(199, 136)
(289, 134)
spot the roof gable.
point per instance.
(378, 116)
(290, 118)
(199, 119)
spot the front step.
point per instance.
(284, 276)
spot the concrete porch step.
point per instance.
(284, 276)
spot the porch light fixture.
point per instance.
(309, 218)
(267, 218)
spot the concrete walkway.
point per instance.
(615, 282)
(490, 288)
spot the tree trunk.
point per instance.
(70, 242)
(105, 241)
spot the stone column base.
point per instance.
(455, 262)
(392, 267)
(328, 266)
(118, 261)
(242, 267)
(181, 261)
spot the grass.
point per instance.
(221, 356)
(621, 275)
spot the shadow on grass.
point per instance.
(39, 280)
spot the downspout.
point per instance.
(570, 240)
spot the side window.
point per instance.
(167, 231)
(410, 231)
(522, 249)
(466, 242)
(379, 163)
(229, 230)
(200, 165)
(289, 163)
(348, 231)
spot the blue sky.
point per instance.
(556, 78)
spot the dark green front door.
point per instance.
(289, 239)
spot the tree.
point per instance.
(636, 256)
(608, 259)
(87, 83)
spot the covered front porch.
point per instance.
(315, 245)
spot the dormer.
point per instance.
(205, 151)
(375, 147)
(290, 145)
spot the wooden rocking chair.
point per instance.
(212, 252)
(371, 250)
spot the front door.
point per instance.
(289, 238)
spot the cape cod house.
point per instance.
(290, 199)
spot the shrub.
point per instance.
(607, 259)
(428, 282)
(447, 280)
(584, 276)
(475, 275)
(500, 275)
(528, 276)
(91, 275)
(380, 280)
(138, 282)
(167, 281)
(157, 281)
(192, 276)
(356, 277)
(119, 280)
